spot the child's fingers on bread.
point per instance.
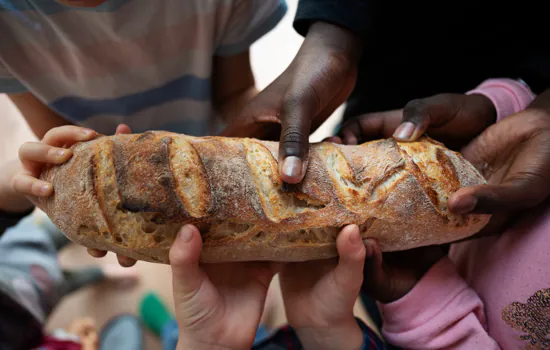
(97, 253)
(43, 153)
(67, 135)
(125, 261)
(28, 185)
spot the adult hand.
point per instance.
(514, 156)
(319, 79)
(319, 295)
(218, 306)
(454, 119)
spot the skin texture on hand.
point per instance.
(319, 295)
(454, 119)
(319, 79)
(514, 156)
(53, 149)
(218, 306)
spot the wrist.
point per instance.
(345, 336)
(506, 95)
(484, 107)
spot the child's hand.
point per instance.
(218, 306)
(454, 119)
(390, 276)
(319, 295)
(53, 149)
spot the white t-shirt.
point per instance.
(144, 63)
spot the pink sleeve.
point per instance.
(508, 96)
(440, 312)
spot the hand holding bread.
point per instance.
(131, 193)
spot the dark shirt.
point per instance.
(415, 49)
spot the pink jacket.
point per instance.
(490, 293)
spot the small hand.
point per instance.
(454, 119)
(319, 79)
(319, 295)
(218, 306)
(53, 149)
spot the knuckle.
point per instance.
(414, 109)
(301, 98)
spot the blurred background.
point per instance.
(270, 56)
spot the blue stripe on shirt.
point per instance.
(50, 7)
(81, 108)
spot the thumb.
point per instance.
(294, 142)
(513, 195)
(351, 250)
(516, 152)
(187, 277)
(420, 114)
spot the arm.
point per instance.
(233, 84)
(441, 311)
(39, 116)
(13, 206)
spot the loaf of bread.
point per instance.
(130, 194)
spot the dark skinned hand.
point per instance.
(319, 79)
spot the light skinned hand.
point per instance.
(53, 149)
(218, 306)
(319, 296)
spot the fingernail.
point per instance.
(185, 234)
(405, 131)
(87, 132)
(465, 204)
(355, 238)
(58, 153)
(292, 166)
(44, 189)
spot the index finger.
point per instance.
(67, 135)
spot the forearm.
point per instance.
(233, 107)
(39, 117)
(233, 84)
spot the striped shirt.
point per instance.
(144, 63)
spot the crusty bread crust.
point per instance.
(130, 194)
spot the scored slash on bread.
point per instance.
(130, 194)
